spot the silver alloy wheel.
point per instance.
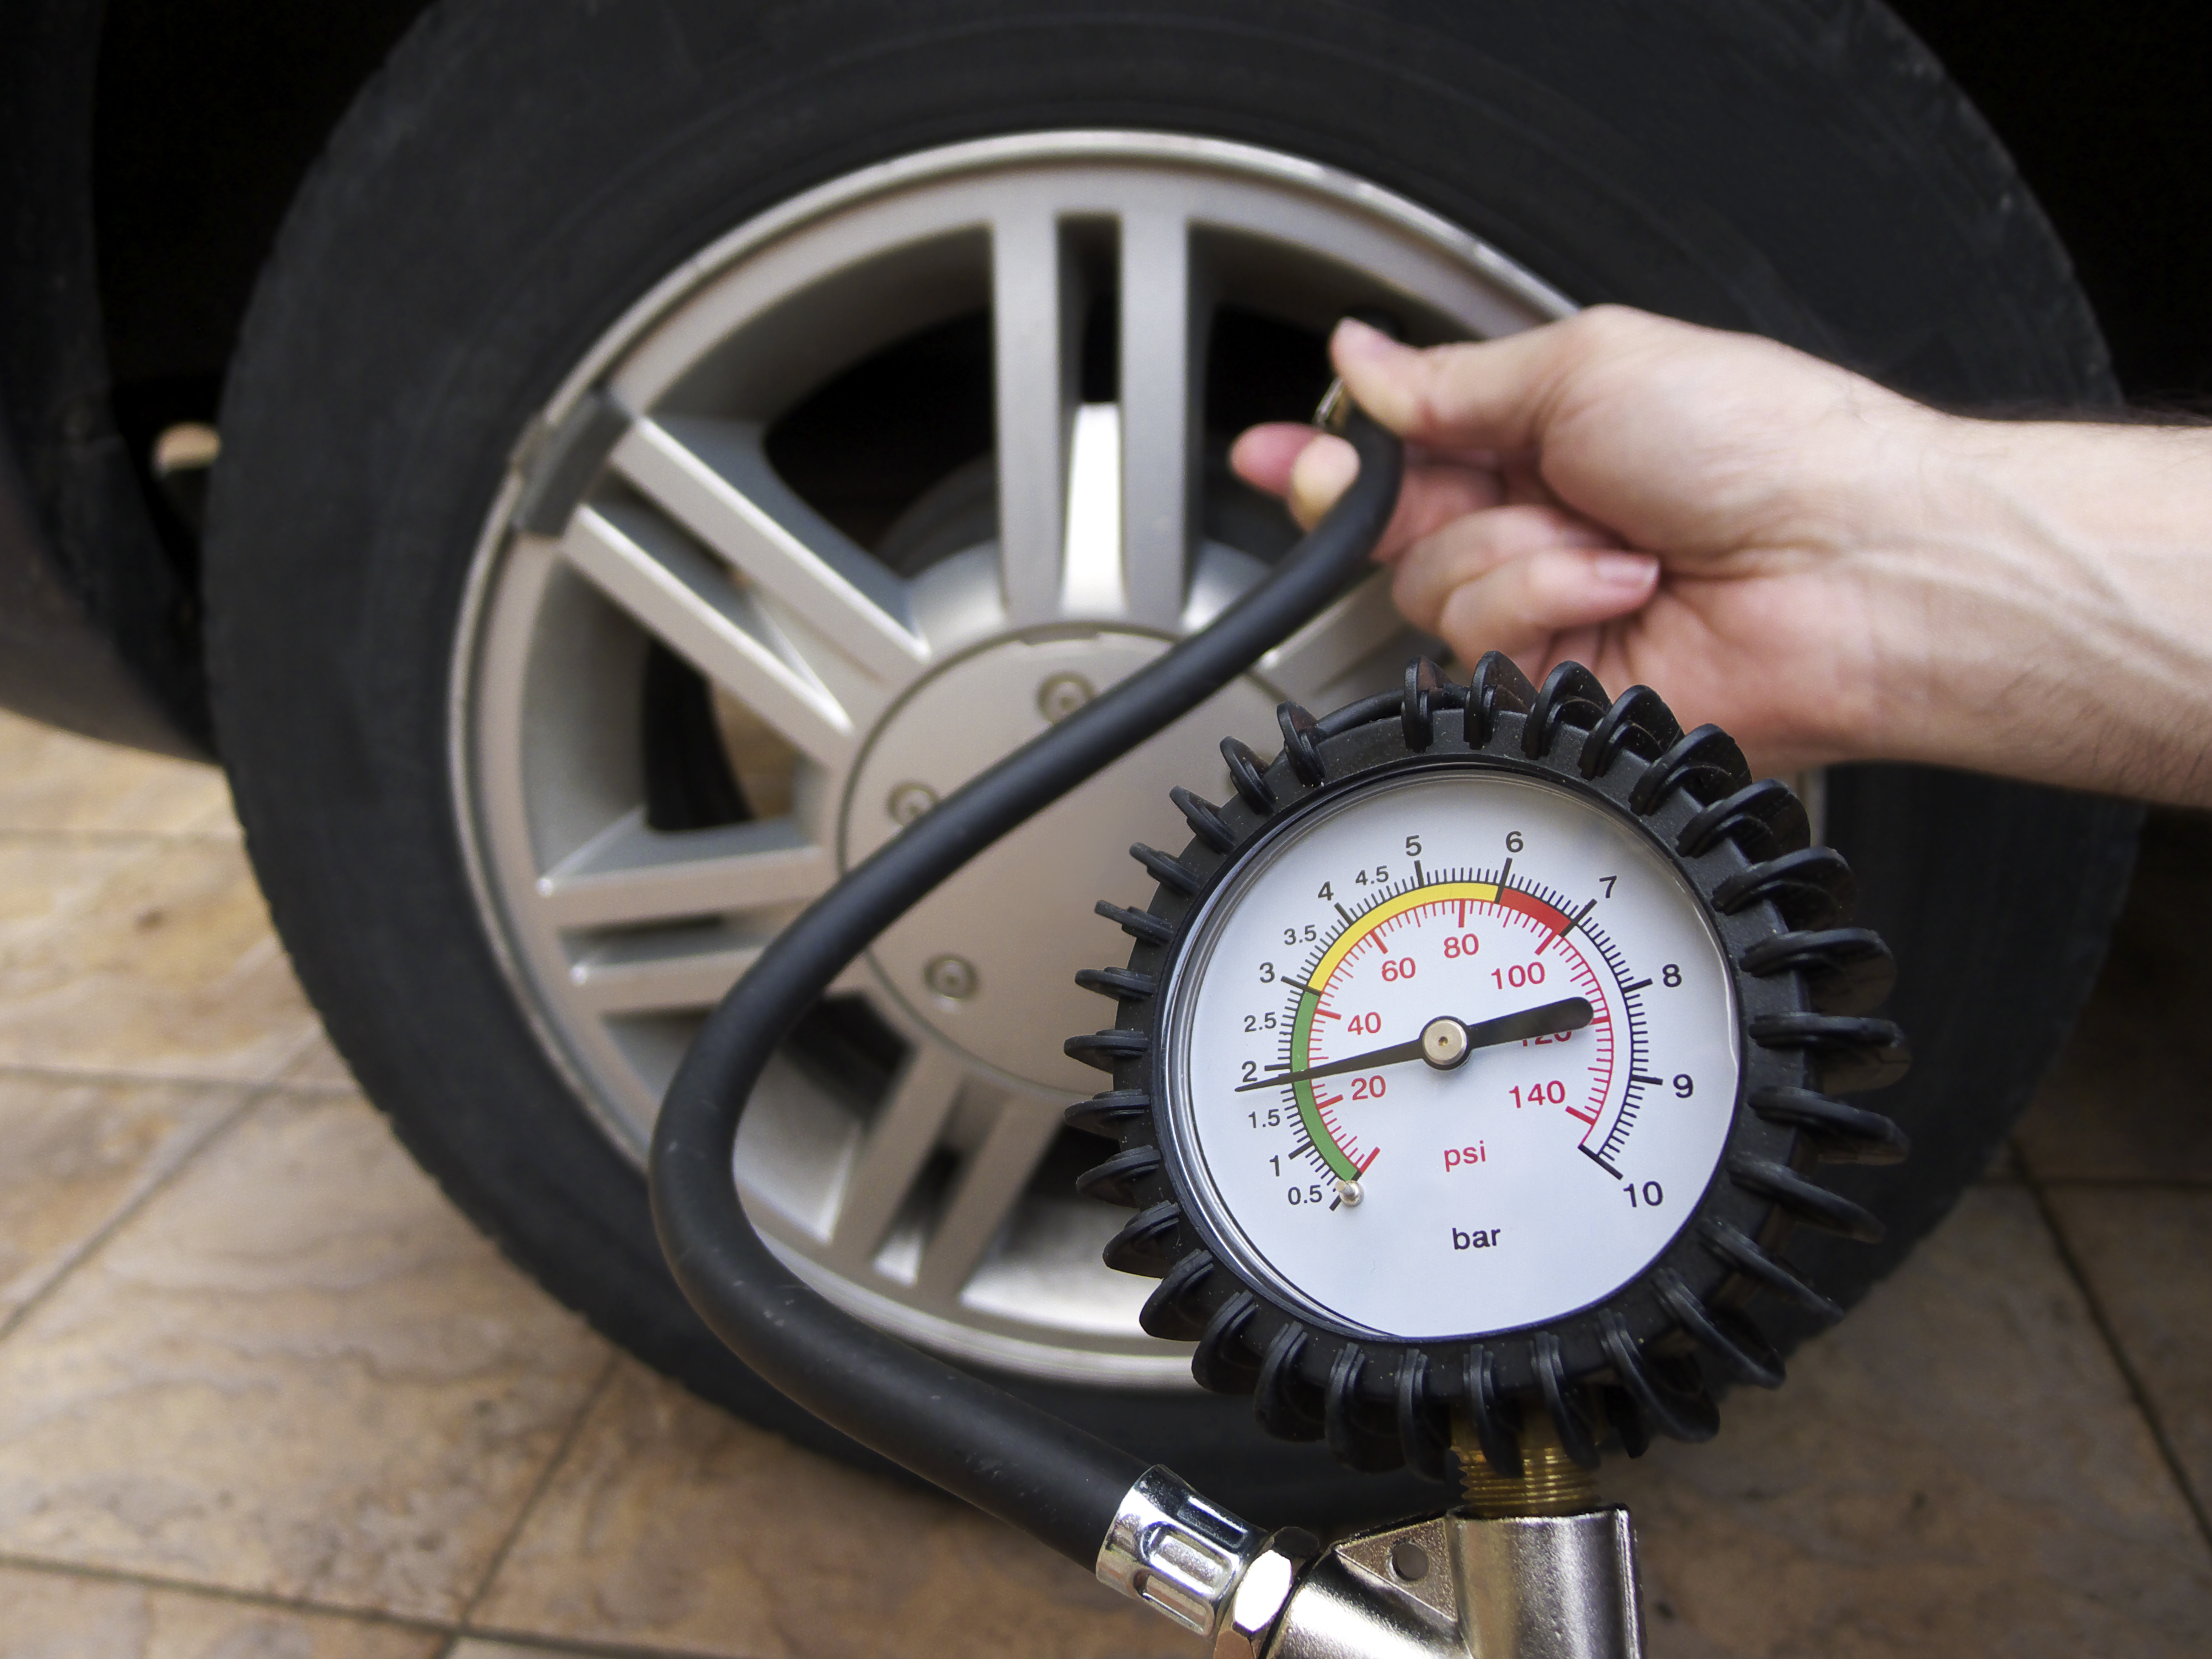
(643, 507)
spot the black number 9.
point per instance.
(1683, 1085)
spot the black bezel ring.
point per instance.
(1632, 1361)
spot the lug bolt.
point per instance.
(1062, 694)
(908, 802)
(951, 977)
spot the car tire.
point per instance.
(520, 173)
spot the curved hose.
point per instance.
(1003, 1456)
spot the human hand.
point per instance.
(1709, 514)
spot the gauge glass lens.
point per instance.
(1522, 1040)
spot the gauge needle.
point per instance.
(1445, 1041)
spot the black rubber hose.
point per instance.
(1003, 1456)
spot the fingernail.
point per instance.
(1357, 339)
(1623, 569)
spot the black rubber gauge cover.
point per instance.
(1632, 1364)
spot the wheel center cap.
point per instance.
(988, 962)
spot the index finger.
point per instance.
(1433, 493)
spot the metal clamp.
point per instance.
(1456, 1586)
(1201, 1566)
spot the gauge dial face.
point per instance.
(1454, 1055)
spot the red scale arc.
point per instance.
(1555, 922)
(1512, 898)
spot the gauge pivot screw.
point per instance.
(1350, 1193)
(1444, 1042)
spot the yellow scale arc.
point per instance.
(1317, 1130)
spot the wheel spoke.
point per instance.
(630, 873)
(1312, 666)
(990, 1184)
(713, 477)
(898, 1145)
(1090, 568)
(1036, 328)
(676, 594)
(1161, 342)
(661, 973)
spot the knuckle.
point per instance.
(1602, 331)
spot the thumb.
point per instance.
(1485, 394)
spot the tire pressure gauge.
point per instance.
(1479, 1054)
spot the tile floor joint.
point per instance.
(67, 1269)
(2138, 1390)
(229, 1593)
(592, 1395)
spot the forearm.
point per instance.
(2058, 623)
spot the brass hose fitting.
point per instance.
(1550, 1482)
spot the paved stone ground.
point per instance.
(262, 1392)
